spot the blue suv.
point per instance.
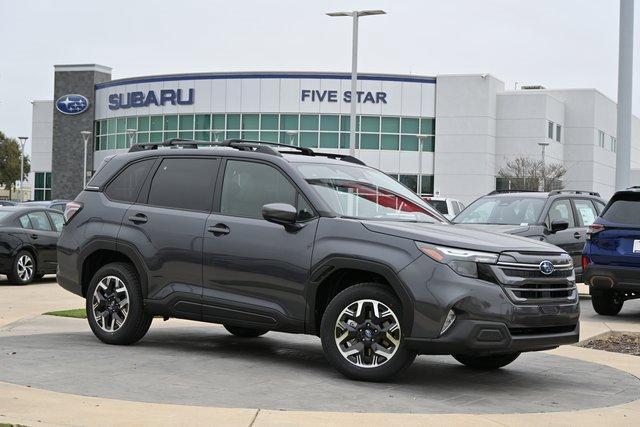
(611, 257)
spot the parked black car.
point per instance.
(28, 238)
(58, 204)
(559, 217)
(7, 203)
(262, 237)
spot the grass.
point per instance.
(77, 313)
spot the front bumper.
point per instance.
(485, 337)
(487, 321)
(603, 277)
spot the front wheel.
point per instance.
(114, 305)
(361, 333)
(491, 362)
(607, 302)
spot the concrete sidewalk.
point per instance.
(28, 405)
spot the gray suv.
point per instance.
(264, 237)
(559, 217)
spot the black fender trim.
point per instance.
(336, 263)
(118, 247)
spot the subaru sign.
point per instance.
(144, 99)
(72, 104)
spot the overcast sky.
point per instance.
(556, 43)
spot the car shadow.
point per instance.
(48, 279)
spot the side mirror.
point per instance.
(280, 213)
(559, 226)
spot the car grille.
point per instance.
(525, 283)
(536, 273)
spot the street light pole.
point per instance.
(625, 86)
(131, 135)
(354, 69)
(23, 141)
(85, 136)
(542, 183)
(421, 139)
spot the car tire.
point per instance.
(23, 270)
(607, 302)
(487, 363)
(114, 305)
(242, 332)
(351, 314)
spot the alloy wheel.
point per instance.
(367, 333)
(110, 303)
(25, 268)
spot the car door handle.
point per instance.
(219, 229)
(577, 235)
(33, 236)
(138, 218)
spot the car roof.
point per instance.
(520, 194)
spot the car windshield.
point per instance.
(509, 210)
(365, 193)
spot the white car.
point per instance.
(445, 205)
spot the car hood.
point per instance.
(498, 228)
(459, 237)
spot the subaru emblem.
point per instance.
(547, 267)
(72, 104)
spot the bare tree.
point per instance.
(525, 174)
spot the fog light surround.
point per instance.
(451, 317)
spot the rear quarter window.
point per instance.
(624, 209)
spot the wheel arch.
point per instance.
(103, 253)
(335, 274)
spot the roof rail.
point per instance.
(343, 157)
(265, 147)
(511, 191)
(591, 193)
(303, 150)
(634, 187)
(175, 142)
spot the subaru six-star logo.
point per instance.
(72, 104)
(547, 267)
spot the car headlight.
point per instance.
(462, 261)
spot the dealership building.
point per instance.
(447, 134)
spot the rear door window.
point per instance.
(39, 221)
(125, 187)
(587, 213)
(184, 183)
(624, 209)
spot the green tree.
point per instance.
(10, 163)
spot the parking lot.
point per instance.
(189, 364)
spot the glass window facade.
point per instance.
(307, 130)
(42, 186)
(411, 181)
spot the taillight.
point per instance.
(593, 229)
(585, 262)
(71, 210)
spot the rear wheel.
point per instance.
(23, 270)
(114, 305)
(361, 333)
(243, 332)
(607, 302)
(495, 361)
